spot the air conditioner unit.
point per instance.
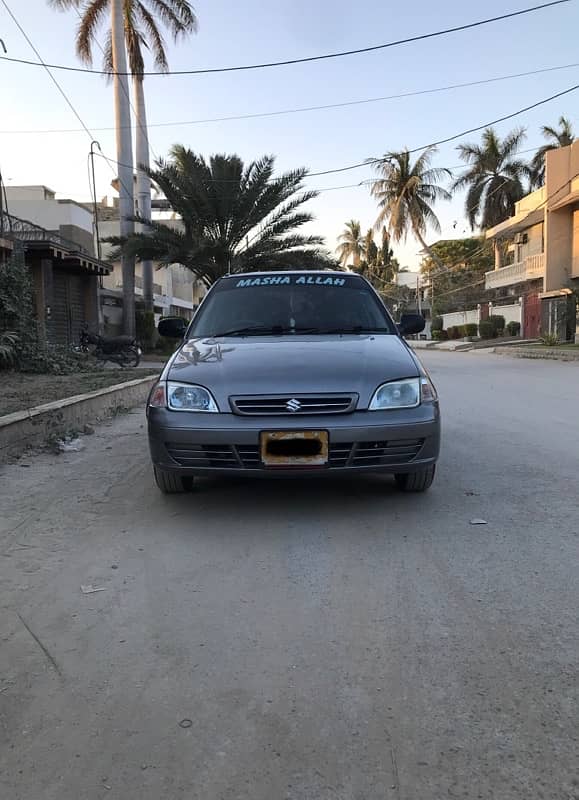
(521, 238)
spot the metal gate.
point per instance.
(68, 308)
(531, 316)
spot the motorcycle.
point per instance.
(121, 350)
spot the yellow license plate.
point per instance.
(294, 448)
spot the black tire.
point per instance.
(172, 482)
(416, 481)
(130, 357)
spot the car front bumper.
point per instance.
(404, 440)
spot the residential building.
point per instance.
(176, 290)
(38, 215)
(55, 238)
(540, 244)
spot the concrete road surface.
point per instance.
(302, 641)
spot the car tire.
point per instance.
(172, 482)
(416, 481)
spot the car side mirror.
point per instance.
(411, 323)
(172, 327)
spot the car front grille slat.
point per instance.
(293, 405)
(341, 454)
(203, 455)
(386, 453)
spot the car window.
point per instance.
(291, 304)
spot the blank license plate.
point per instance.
(294, 449)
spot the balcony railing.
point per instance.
(24, 231)
(529, 269)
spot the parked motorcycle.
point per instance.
(121, 350)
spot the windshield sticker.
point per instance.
(290, 280)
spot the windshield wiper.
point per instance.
(356, 329)
(274, 330)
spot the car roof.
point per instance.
(291, 272)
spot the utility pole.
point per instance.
(94, 199)
(124, 160)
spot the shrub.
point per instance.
(550, 339)
(145, 328)
(437, 324)
(8, 342)
(439, 336)
(513, 328)
(21, 343)
(454, 332)
(486, 329)
(470, 329)
(498, 323)
(166, 346)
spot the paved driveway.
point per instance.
(304, 641)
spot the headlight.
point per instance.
(397, 394)
(188, 397)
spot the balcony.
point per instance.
(530, 269)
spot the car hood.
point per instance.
(292, 365)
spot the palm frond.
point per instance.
(94, 13)
(231, 213)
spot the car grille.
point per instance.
(293, 405)
(204, 455)
(247, 456)
(382, 454)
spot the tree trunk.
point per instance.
(143, 182)
(124, 159)
(430, 251)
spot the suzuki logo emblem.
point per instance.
(293, 405)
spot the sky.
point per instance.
(257, 31)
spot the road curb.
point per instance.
(36, 425)
(549, 353)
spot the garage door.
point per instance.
(68, 308)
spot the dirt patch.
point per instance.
(21, 392)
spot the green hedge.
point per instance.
(513, 328)
(486, 329)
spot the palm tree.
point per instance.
(495, 178)
(233, 217)
(351, 243)
(555, 138)
(139, 19)
(406, 193)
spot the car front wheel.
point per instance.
(172, 482)
(416, 481)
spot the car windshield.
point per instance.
(291, 304)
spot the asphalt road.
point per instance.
(304, 641)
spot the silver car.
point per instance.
(293, 373)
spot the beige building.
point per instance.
(56, 240)
(176, 291)
(541, 242)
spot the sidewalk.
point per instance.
(517, 349)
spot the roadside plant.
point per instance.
(550, 339)
(486, 329)
(8, 342)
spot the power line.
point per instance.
(323, 107)
(308, 59)
(137, 119)
(454, 137)
(371, 161)
(56, 83)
